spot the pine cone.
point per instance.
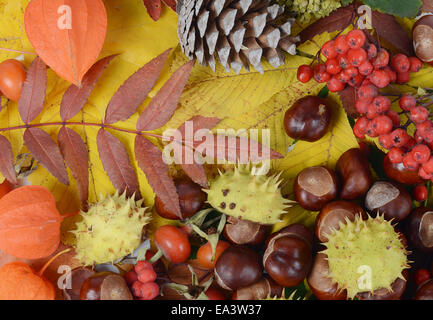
(238, 32)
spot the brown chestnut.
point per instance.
(191, 199)
(398, 172)
(390, 199)
(397, 289)
(355, 174)
(332, 214)
(105, 286)
(308, 119)
(240, 231)
(78, 276)
(422, 33)
(420, 229)
(288, 255)
(425, 291)
(314, 187)
(238, 267)
(258, 291)
(320, 282)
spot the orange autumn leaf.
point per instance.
(29, 223)
(67, 34)
(18, 281)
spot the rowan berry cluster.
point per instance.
(141, 280)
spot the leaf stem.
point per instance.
(17, 51)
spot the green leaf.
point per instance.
(401, 8)
(346, 2)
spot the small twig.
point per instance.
(17, 51)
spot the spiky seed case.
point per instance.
(110, 229)
(242, 194)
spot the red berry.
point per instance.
(147, 275)
(410, 143)
(419, 114)
(400, 63)
(351, 72)
(417, 137)
(403, 77)
(420, 276)
(391, 73)
(371, 112)
(360, 127)
(142, 265)
(149, 291)
(332, 66)
(305, 73)
(394, 116)
(357, 56)
(328, 50)
(424, 175)
(382, 104)
(320, 74)
(341, 45)
(386, 141)
(355, 39)
(335, 85)
(420, 193)
(367, 92)
(366, 68)
(361, 106)
(407, 102)
(371, 51)
(400, 137)
(423, 128)
(421, 153)
(381, 60)
(410, 163)
(428, 136)
(383, 125)
(380, 78)
(342, 76)
(415, 64)
(428, 166)
(343, 61)
(356, 81)
(130, 277)
(396, 155)
(371, 130)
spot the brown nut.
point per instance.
(420, 229)
(422, 33)
(314, 187)
(240, 231)
(238, 267)
(398, 172)
(332, 214)
(425, 291)
(78, 276)
(390, 199)
(397, 289)
(105, 286)
(320, 282)
(258, 291)
(308, 119)
(355, 174)
(288, 255)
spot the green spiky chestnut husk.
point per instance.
(365, 248)
(243, 194)
(110, 230)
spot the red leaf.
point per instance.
(76, 157)
(199, 123)
(165, 102)
(32, 96)
(133, 92)
(45, 150)
(115, 160)
(171, 3)
(392, 32)
(348, 98)
(340, 19)
(7, 160)
(150, 160)
(75, 97)
(153, 8)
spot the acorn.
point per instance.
(239, 231)
(355, 174)
(105, 286)
(390, 199)
(315, 186)
(422, 33)
(308, 119)
(420, 229)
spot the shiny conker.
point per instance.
(239, 231)
(191, 199)
(238, 267)
(78, 276)
(332, 214)
(265, 288)
(390, 199)
(105, 286)
(398, 172)
(288, 255)
(314, 187)
(355, 174)
(425, 291)
(398, 287)
(422, 33)
(420, 229)
(308, 119)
